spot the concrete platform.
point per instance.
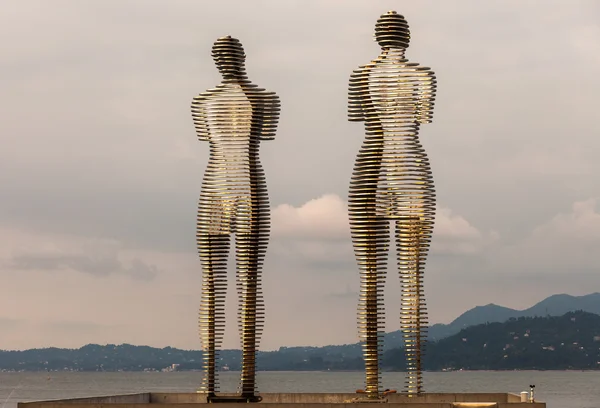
(294, 400)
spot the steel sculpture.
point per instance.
(234, 118)
(392, 181)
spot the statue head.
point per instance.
(229, 56)
(391, 31)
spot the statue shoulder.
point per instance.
(359, 77)
(206, 95)
(362, 70)
(271, 96)
(423, 70)
(261, 95)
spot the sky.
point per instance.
(100, 168)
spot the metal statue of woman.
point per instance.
(234, 118)
(392, 181)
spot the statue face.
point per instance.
(391, 31)
(229, 56)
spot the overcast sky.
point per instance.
(100, 168)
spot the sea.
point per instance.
(559, 389)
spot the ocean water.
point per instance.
(559, 389)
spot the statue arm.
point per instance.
(270, 120)
(357, 90)
(199, 116)
(427, 86)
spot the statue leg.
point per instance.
(252, 237)
(213, 250)
(370, 237)
(413, 236)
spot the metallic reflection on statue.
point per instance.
(392, 181)
(234, 118)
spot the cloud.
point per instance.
(453, 234)
(324, 218)
(320, 230)
(559, 255)
(582, 223)
(91, 256)
(93, 265)
(565, 243)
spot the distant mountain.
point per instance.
(555, 305)
(571, 341)
(335, 357)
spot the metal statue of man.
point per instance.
(233, 118)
